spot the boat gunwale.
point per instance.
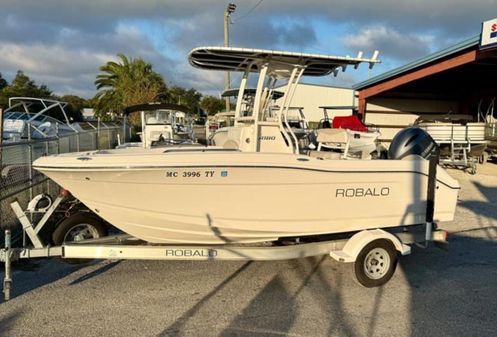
(152, 167)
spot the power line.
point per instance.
(247, 14)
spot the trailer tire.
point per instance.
(376, 263)
(79, 226)
(483, 158)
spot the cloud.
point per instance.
(62, 43)
(447, 15)
(70, 62)
(72, 70)
(391, 43)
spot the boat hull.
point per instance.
(219, 198)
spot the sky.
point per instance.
(62, 43)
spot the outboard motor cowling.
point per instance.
(412, 140)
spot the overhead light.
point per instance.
(231, 8)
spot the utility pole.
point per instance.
(1, 135)
(230, 9)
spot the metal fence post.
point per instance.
(98, 134)
(7, 279)
(30, 176)
(96, 139)
(30, 155)
(109, 137)
(58, 138)
(125, 133)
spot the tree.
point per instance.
(187, 97)
(75, 106)
(127, 82)
(212, 104)
(23, 86)
(3, 82)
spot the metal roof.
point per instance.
(471, 42)
(240, 59)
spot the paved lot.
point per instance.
(433, 293)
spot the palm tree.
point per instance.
(126, 82)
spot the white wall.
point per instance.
(311, 97)
(393, 114)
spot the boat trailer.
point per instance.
(342, 248)
(374, 252)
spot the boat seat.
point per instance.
(325, 155)
(152, 120)
(332, 136)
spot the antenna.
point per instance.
(359, 56)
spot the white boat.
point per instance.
(217, 122)
(294, 118)
(162, 124)
(220, 196)
(462, 142)
(454, 131)
(259, 187)
(29, 117)
(347, 135)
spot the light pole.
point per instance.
(230, 9)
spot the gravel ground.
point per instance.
(433, 292)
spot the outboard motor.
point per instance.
(412, 140)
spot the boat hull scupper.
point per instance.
(233, 197)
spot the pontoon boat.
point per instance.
(462, 141)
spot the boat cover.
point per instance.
(156, 106)
(349, 122)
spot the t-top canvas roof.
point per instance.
(240, 59)
(155, 106)
(34, 100)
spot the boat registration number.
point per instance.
(195, 174)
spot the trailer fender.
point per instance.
(359, 240)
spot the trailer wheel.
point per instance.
(79, 226)
(483, 158)
(376, 263)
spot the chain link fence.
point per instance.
(19, 181)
